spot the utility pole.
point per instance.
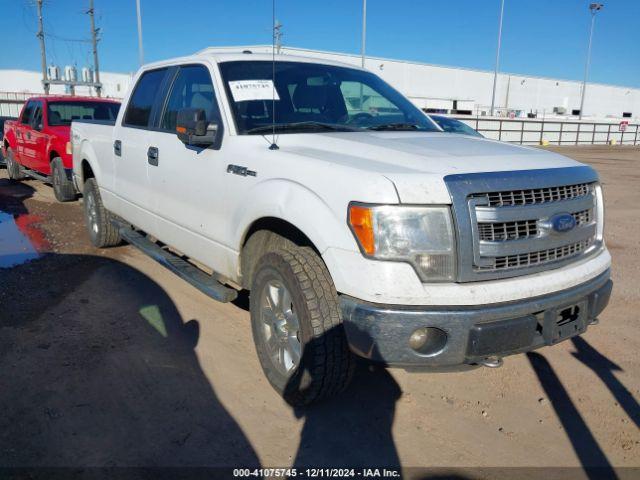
(495, 73)
(364, 30)
(277, 31)
(593, 8)
(140, 50)
(43, 53)
(94, 41)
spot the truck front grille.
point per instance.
(507, 221)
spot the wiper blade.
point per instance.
(394, 126)
(283, 127)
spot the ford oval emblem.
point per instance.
(562, 222)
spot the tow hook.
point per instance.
(492, 362)
(595, 321)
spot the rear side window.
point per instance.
(143, 97)
(192, 88)
(63, 113)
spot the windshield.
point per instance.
(63, 113)
(311, 97)
(452, 125)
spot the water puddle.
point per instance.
(20, 239)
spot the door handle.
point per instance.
(152, 156)
(117, 148)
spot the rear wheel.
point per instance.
(14, 169)
(62, 187)
(97, 218)
(297, 326)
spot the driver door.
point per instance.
(188, 183)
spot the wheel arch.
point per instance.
(264, 234)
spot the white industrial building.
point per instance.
(432, 87)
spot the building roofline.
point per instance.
(426, 64)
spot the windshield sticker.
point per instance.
(246, 90)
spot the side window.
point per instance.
(192, 88)
(143, 98)
(37, 115)
(27, 113)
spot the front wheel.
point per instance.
(297, 326)
(13, 168)
(97, 218)
(62, 187)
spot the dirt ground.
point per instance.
(107, 359)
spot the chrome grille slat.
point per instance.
(535, 195)
(503, 231)
(537, 258)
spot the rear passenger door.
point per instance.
(189, 182)
(131, 154)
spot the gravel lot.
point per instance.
(107, 359)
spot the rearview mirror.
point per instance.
(192, 127)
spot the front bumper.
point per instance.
(381, 332)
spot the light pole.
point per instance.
(495, 73)
(364, 30)
(140, 50)
(593, 8)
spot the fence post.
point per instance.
(593, 134)
(560, 135)
(608, 133)
(635, 139)
(578, 134)
(521, 131)
(542, 130)
(500, 131)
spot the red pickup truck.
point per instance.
(37, 144)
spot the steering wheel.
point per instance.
(360, 118)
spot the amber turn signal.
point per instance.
(361, 222)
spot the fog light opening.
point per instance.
(428, 340)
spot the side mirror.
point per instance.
(192, 127)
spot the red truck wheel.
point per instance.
(13, 168)
(62, 186)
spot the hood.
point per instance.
(417, 162)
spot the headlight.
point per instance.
(421, 236)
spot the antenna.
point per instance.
(276, 28)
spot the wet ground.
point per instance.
(107, 359)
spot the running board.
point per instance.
(36, 175)
(207, 284)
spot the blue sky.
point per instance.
(540, 37)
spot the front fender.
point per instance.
(323, 224)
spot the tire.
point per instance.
(97, 218)
(308, 311)
(13, 168)
(63, 188)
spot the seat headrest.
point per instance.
(310, 96)
(203, 100)
(55, 118)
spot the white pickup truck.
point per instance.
(357, 225)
